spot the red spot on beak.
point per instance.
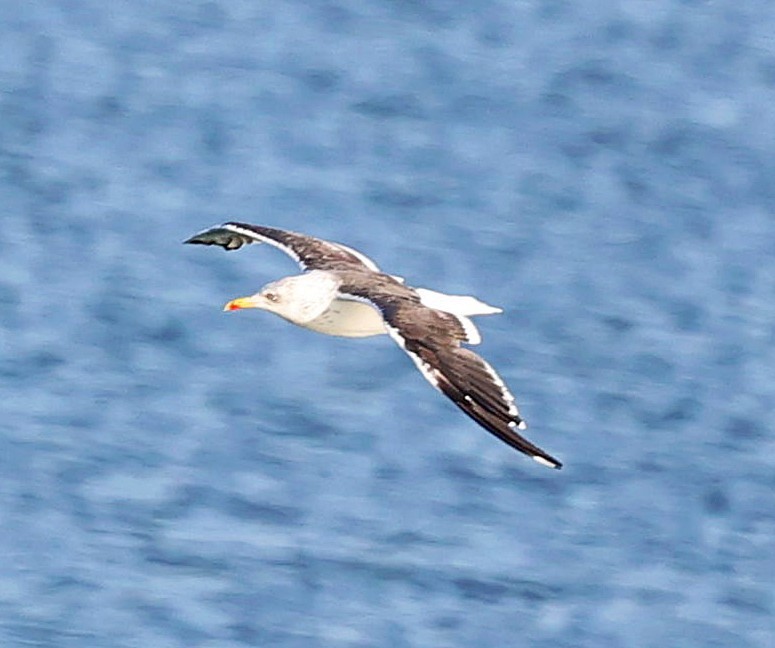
(236, 304)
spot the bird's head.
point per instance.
(298, 299)
(269, 298)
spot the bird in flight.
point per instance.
(342, 292)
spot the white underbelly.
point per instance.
(348, 318)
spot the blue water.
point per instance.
(172, 476)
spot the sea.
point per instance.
(172, 476)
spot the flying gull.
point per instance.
(342, 292)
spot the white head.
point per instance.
(299, 299)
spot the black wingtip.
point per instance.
(197, 239)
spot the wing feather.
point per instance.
(474, 386)
(309, 252)
(432, 339)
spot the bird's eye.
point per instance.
(272, 297)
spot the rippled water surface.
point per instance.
(172, 476)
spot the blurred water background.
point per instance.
(171, 476)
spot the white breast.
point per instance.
(347, 318)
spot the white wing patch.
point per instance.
(455, 304)
(472, 333)
(461, 306)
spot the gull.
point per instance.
(344, 293)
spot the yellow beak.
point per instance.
(242, 302)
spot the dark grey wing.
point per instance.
(309, 252)
(432, 340)
(476, 388)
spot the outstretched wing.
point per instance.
(432, 339)
(309, 252)
(475, 387)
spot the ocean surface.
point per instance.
(174, 477)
